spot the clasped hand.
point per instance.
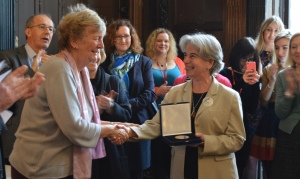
(119, 135)
(120, 138)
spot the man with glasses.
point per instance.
(38, 31)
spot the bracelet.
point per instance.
(289, 95)
(269, 87)
(112, 123)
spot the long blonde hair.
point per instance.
(289, 61)
(283, 34)
(260, 44)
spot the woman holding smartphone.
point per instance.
(244, 81)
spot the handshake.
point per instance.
(121, 132)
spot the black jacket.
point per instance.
(115, 154)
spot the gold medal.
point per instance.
(181, 137)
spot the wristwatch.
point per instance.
(289, 95)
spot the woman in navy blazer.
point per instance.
(123, 46)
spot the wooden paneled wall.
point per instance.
(225, 19)
(255, 16)
(24, 9)
(234, 24)
(228, 20)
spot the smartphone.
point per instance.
(251, 66)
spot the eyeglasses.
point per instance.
(247, 59)
(120, 37)
(43, 27)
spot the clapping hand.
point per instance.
(35, 84)
(291, 78)
(45, 57)
(36, 61)
(105, 101)
(16, 86)
(273, 71)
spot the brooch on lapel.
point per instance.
(208, 101)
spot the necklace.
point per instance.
(164, 73)
(193, 114)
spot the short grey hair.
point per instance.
(208, 47)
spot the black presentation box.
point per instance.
(176, 128)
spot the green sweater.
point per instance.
(286, 109)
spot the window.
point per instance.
(294, 15)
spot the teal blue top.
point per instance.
(160, 75)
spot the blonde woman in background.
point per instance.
(264, 140)
(269, 28)
(166, 67)
(265, 39)
(286, 162)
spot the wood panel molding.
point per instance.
(234, 24)
(255, 16)
(135, 15)
(163, 13)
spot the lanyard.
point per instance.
(164, 73)
(233, 80)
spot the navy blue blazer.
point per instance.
(2, 166)
(141, 94)
(115, 163)
(14, 58)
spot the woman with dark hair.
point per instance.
(123, 48)
(113, 106)
(246, 83)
